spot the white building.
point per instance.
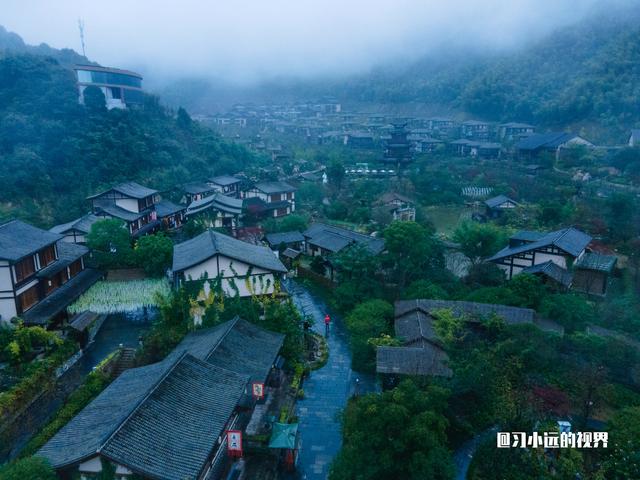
(242, 269)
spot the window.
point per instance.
(75, 268)
(28, 299)
(275, 197)
(116, 93)
(47, 256)
(24, 269)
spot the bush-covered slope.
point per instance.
(54, 152)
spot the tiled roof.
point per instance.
(129, 189)
(68, 253)
(224, 180)
(595, 261)
(56, 302)
(236, 345)
(544, 140)
(197, 187)
(82, 224)
(569, 240)
(499, 200)
(275, 239)
(111, 209)
(19, 239)
(335, 239)
(415, 328)
(551, 270)
(274, 187)
(218, 202)
(161, 421)
(473, 310)
(428, 360)
(165, 208)
(210, 243)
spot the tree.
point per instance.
(424, 289)
(479, 240)
(289, 223)
(411, 252)
(94, 99)
(27, 468)
(335, 174)
(368, 320)
(154, 253)
(571, 311)
(183, 119)
(622, 460)
(401, 433)
(109, 239)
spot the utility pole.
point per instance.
(81, 28)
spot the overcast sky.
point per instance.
(248, 40)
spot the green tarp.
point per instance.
(283, 435)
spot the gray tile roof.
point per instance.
(82, 224)
(173, 432)
(218, 202)
(569, 240)
(544, 140)
(163, 420)
(165, 208)
(335, 239)
(274, 187)
(551, 270)
(68, 253)
(415, 328)
(499, 200)
(129, 189)
(210, 243)
(112, 210)
(197, 187)
(224, 180)
(596, 261)
(19, 239)
(236, 345)
(275, 239)
(473, 310)
(428, 360)
(56, 302)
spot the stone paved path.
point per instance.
(326, 391)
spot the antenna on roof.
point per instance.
(81, 28)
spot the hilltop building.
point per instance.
(121, 88)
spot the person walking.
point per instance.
(327, 322)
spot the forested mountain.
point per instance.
(583, 76)
(588, 73)
(55, 152)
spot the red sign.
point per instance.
(234, 443)
(257, 390)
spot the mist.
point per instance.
(249, 41)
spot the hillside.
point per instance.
(54, 152)
(586, 76)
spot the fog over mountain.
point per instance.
(250, 41)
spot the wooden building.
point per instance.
(241, 269)
(40, 274)
(169, 420)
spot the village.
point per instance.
(443, 278)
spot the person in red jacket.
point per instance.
(327, 322)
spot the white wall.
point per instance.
(130, 204)
(210, 267)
